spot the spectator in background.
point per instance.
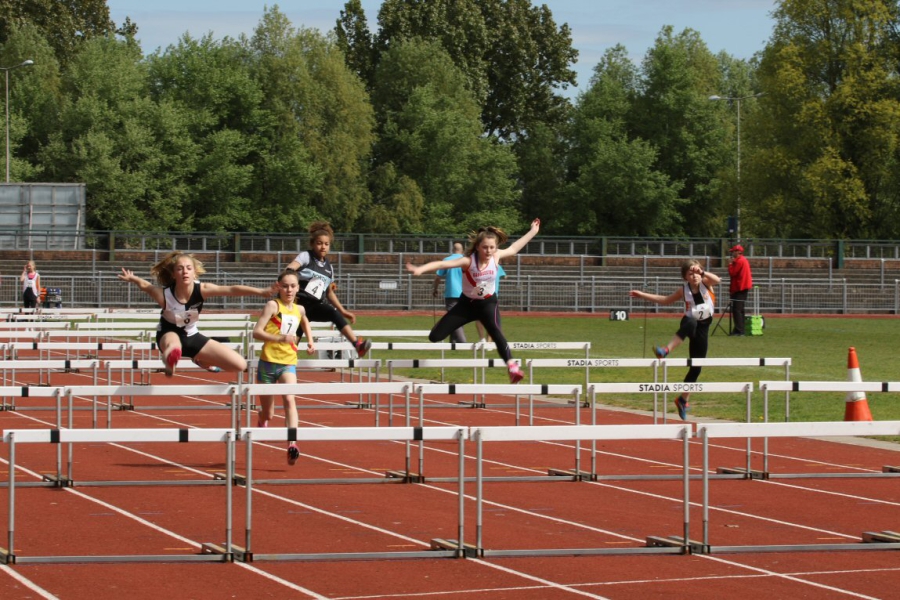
(31, 285)
(452, 289)
(739, 287)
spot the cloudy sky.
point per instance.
(739, 27)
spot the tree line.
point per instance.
(451, 114)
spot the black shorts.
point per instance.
(191, 345)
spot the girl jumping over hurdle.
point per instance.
(478, 302)
(699, 306)
(317, 285)
(279, 327)
(181, 296)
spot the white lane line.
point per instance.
(28, 583)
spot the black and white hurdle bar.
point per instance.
(877, 387)
(660, 387)
(439, 548)
(69, 436)
(724, 362)
(655, 545)
(885, 540)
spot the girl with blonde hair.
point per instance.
(180, 296)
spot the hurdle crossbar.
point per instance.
(398, 434)
(708, 431)
(480, 435)
(59, 436)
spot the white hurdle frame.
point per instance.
(661, 387)
(516, 390)
(70, 436)
(724, 362)
(574, 433)
(821, 386)
(706, 432)
(400, 434)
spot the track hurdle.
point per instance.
(885, 540)
(820, 386)
(516, 390)
(8, 369)
(656, 388)
(480, 435)
(722, 362)
(69, 436)
(354, 434)
(475, 364)
(65, 397)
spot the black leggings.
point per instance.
(487, 312)
(29, 300)
(698, 331)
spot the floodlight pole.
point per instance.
(737, 100)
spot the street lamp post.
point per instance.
(737, 101)
(6, 71)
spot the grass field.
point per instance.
(818, 348)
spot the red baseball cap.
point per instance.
(737, 248)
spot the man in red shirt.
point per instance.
(741, 282)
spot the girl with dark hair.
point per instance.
(480, 266)
(317, 285)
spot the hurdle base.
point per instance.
(742, 471)
(360, 405)
(576, 475)
(59, 482)
(237, 478)
(210, 548)
(890, 469)
(468, 550)
(406, 476)
(7, 557)
(123, 406)
(675, 541)
(881, 537)
(472, 404)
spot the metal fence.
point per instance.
(518, 292)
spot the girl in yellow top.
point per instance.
(279, 327)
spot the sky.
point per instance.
(739, 27)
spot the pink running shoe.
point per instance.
(172, 360)
(515, 373)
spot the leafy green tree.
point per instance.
(674, 114)
(133, 154)
(35, 100)
(826, 153)
(319, 128)
(514, 57)
(615, 187)
(63, 23)
(432, 135)
(356, 41)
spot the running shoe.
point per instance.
(682, 405)
(172, 360)
(362, 347)
(515, 373)
(262, 423)
(661, 351)
(293, 454)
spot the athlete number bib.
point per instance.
(315, 288)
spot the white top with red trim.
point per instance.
(480, 284)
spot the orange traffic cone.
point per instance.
(856, 407)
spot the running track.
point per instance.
(366, 517)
